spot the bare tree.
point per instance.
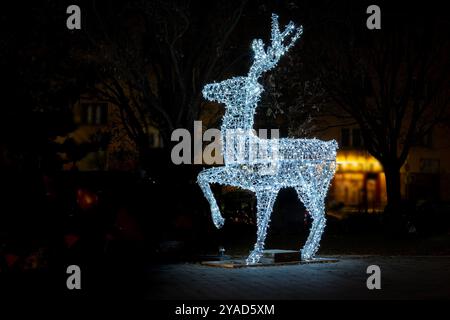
(297, 97)
(393, 83)
(154, 65)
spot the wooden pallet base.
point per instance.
(265, 262)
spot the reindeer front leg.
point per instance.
(264, 202)
(204, 179)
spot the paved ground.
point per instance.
(401, 278)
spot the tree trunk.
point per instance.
(396, 213)
(394, 220)
(392, 173)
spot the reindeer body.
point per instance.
(264, 166)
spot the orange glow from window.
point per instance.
(354, 161)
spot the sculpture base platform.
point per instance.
(278, 255)
(207, 258)
(270, 258)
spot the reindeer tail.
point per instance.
(334, 144)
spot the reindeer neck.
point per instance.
(234, 121)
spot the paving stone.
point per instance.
(401, 278)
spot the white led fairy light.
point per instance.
(264, 166)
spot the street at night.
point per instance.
(404, 277)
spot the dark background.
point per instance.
(156, 213)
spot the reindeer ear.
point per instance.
(258, 49)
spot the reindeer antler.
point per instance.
(266, 59)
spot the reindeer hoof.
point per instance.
(306, 256)
(253, 258)
(218, 220)
(219, 223)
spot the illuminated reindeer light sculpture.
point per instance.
(264, 166)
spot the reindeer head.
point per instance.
(246, 91)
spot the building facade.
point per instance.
(98, 123)
(360, 184)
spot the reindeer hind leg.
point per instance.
(316, 208)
